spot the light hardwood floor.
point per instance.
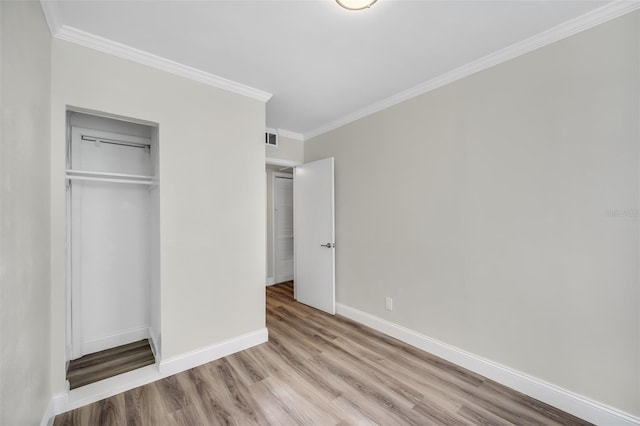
(321, 370)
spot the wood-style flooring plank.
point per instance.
(319, 369)
(108, 363)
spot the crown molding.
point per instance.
(50, 9)
(111, 47)
(581, 23)
(291, 135)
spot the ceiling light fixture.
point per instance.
(356, 4)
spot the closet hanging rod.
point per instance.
(102, 179)
(106, 174)
(115, 142)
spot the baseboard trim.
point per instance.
(49, 414)
(106, 388)
(286, 278)
(556, 396)
(273, 281)
(198, 357)
(115, 340)
(94, 392)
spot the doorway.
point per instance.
(280, 239)
(112, 257)
(283, 227)
(310, 254)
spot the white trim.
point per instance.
(88, 394)
(284, 279)
(106, 388)
(111, 116)
(154, 340)
(49, 414)
(51, 15)
(60, 401)
(270, 281)
(573, 26)
(291, 135)
(114, 340)
(556, 396)
(114, 48)
(278, 162)
(210, 353)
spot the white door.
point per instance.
(314, 235)
(283, 235)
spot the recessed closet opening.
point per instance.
(113, 265)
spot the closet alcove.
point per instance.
(113, 270)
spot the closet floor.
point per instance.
(108, 363)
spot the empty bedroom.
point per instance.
(320, 212)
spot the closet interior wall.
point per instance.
(113, 268)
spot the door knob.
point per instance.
(328, 245)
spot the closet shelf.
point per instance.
(86, 175)
(105, 174)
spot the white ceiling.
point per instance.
(319, 61)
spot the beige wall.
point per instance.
(24, 213)
(212, 226)
(486, 209)
(288, 149)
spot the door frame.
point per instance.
(274, 193)
(272, 161)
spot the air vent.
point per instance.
(271, 138)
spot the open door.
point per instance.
(315, 235)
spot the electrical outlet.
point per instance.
(388, 304)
